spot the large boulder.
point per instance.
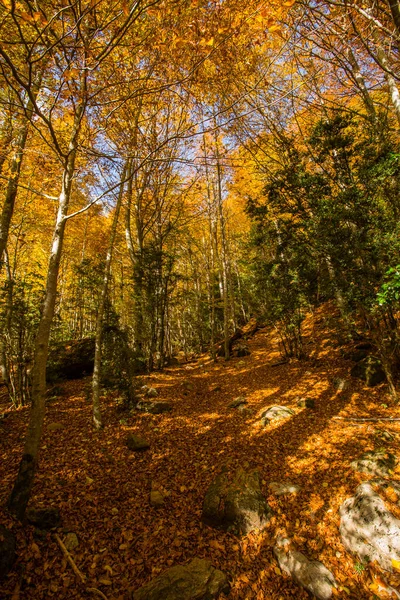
(70, 360)
(7, 551)
(368, 529)
(312, 575)
(155, 407)
(275, 413)
(198, 580)
(234, 503)
(375, 462)
(369, 370)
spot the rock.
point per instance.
(198, 580)
(7, 550)
(312, 575)
(188, 385)
(43, 518)
(356, 355)
(376, 462)
(239, 401)
(241, 350)
(340, 384)
(235, 503)
(368, 529)
(384, 436)
(154, 408)
(275, 413)
(136, 442)
(156, 498)
(306, 403)
(70, 360)
(151, 393)
(216, 388)
(281, 489)
(369, 370)
(71, 541)
(55, 427)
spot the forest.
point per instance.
(199, 299)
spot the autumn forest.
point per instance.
(199, 299)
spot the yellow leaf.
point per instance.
(396, 564)
(277, 571)
(210, 42)
(105, 581)
(274, 28)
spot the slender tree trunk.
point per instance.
(224, 257)
(16, 163)
(21, 492)
(97, 420)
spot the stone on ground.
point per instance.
(198, 580)
(156, 498)
(43, 518)
(155, 408)
(136, 442)
(306, 403)
(55, 427)
(275, 413)
(234, 503)
(7, 551)
(282, 489)
(369, 370)
(71, 541)
(151, 393)
(368, 529)
(376, 462)
(312, 575)
(239, 401)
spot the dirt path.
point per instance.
(102, 489)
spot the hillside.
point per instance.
(102, 489)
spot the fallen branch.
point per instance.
(75, 569)
(366, 419)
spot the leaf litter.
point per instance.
(103, 490)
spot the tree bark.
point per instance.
(97, 419)
(21, 492)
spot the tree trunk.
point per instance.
(97, 420)
(21, 492)
(16, 163)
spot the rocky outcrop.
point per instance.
(198, 580)
(369, 370)
(234, 503)
(312, 575)
(368, 529)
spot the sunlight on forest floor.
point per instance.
(103, 490)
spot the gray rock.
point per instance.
(241, 351)
(369, 370)
(71, 541)
(43, 518)
(376, 462)
(281, 489)
(136, 442)
(234, 503)
(368, 529)
(7, 550)
(312, 575)
(275, 413)
(198, 580)
(153, 407)
(239, 401)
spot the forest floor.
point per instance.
(102, 489)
